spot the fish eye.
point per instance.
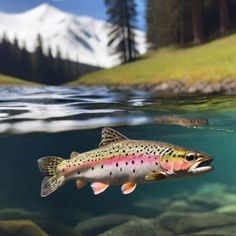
(190, 157)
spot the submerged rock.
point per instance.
(182, 223)
(229, 210)
(16, 213)
(138, 227)
(57, 229)
(20, 228)
(148, 206)
(217, 231)
(99, 224)
(178, 206)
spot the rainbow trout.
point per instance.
(122, 161)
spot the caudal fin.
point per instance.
(48, 166)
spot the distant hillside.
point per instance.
(7, 80)
(211, 62)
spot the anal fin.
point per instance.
(80, 184)
(128, 187)
(99, 187)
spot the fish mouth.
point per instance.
(201, 166)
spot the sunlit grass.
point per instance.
(211, 62)
(7, 80)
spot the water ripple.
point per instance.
(52, 109)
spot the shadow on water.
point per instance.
(56, 121)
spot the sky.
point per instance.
(93, 8)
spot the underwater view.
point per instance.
(43, 121)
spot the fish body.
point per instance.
(121, 161)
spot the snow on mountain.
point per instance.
(80, 38)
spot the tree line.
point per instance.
(169, 22)
(37, 66)
(185, 22)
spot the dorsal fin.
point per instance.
(73, 155)
(110, 136)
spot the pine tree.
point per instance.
(122, 16)
(197, 24)
(168, 22)
(224, 16)
(38, 62)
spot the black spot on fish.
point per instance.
(110, 173)
(120, 169)
(92, 168)
(141, 161)
(156, 163)
(132, 162)
(166, 160)
(126, 163)
(101, 166)
(133, 170)
(116, 164)
(78, 172)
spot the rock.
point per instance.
(138, 227)
(212, 196)
(181, 223)
(20, 228)
(16, 213)
(229, 210)
(99, 224)
(56, 229)
(178, 206)
(218, 231)
(148, 206)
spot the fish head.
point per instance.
(185, 162)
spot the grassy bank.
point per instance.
(211, 62)
(7, 80)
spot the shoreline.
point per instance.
(224, 87)
(175, 87)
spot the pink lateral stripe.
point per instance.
(137, 159)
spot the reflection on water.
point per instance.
(203, 205)
(52, 109)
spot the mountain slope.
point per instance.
(79, 38)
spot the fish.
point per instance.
(181, 121)
(122, 161)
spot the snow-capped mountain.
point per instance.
(80, 38)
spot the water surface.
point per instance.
(36, 122)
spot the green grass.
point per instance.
(7, 80)
(211, 62)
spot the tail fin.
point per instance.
(48, 166)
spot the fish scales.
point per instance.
(125, 161)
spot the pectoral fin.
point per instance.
(128, 187)
(155, 176)
(99, 187)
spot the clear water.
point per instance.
(36, 122)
